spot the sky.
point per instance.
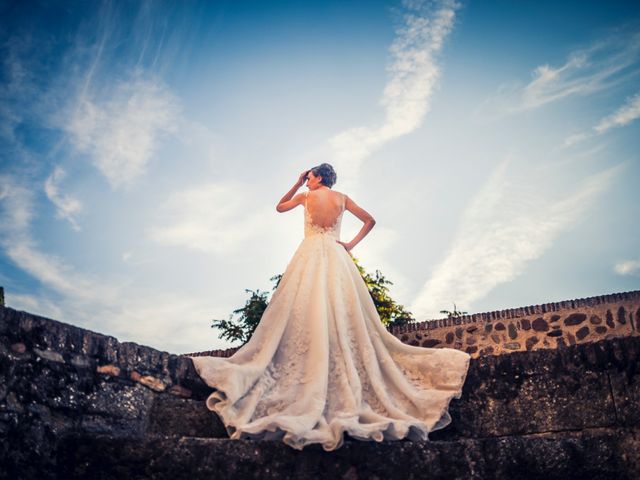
(144, 146)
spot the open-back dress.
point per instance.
(321, 363)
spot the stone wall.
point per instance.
(79, 404)
(56, 378)
(551, 325)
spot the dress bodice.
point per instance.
(312, 229)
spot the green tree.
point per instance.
(247, 318)
(241, 328)
(391, 313)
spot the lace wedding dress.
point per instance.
(321, 363)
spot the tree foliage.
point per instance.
(248, 317)
(391, 313)
(453, 314)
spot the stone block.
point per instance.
(172, 415)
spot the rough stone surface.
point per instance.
(52, 386)
(584, 386)
(575, 319)
(531, 341)
(171, 415)
(591, 454)
(58, 407)
(582, 333)
(540, 325)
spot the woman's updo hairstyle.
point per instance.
(327, 173)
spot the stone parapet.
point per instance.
(550, 325)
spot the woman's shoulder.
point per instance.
(337, 193)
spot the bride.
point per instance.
(320, 362)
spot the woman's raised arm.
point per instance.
(289, 201)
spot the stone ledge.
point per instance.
(24, 336)
(589, 454)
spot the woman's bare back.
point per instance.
(325, 206)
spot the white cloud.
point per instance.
(626, 114)
(112, 307)
(212, 218)
(17, 210)
(67, 207)
(628, 267)
(121, 129)
(507, 224)
(575, 138)
(413, 71)
(30, 303)
(592, 69)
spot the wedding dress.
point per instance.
(321, 363)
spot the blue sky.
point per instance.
(146, 144)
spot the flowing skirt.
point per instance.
(320, 363)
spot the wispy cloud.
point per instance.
(120, 130)
(33, 304)
(413, 73)
(99, 87)
(17, 211)
(624, 115)
(508, 224)
(212, 218)
(66, 206)
(575, 138)
(113, 307)
(600, 66)
(627, 267)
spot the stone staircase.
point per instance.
(77, 404)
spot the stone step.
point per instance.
(171, 415)
(610, 453)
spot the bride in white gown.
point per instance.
(320, 362)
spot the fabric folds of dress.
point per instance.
(320, 362)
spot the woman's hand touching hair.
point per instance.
(303, 177)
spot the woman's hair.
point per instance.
(327, 173)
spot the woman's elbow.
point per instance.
(371, 221)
